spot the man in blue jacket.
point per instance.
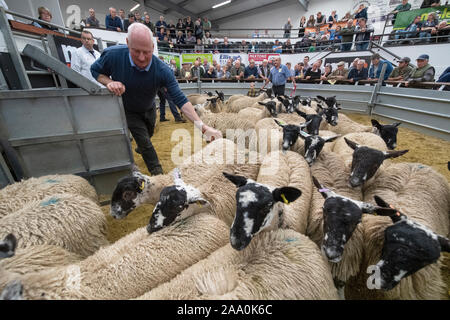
(133, 72)
(377, 65)
(112, 21)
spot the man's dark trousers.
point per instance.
(278, 90)
(142, 127)
(163, 96)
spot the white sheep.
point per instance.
(70, 221)
(236, 105)
(13, 197)
(345, 126)
(132, 266)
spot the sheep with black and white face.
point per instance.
(387, 132)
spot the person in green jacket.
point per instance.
(403, 70)
(405, 6)
(424, 72)
(347, 36)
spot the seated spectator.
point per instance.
(199, 47)
(327, 73)
(361, 12)
(314, 72)
(197, 70)
(430, 3)
(173, 66)
(92, 21)
(289, 67)
(354, 64)
(226, 47)
(189, 25)
(112, 21)
(211, 73)
(148, 23)
(160, 24)
(254, 47)
(180, 27)
(287, 29)
(264, 70)
(128, 22)
(266, 34)
(429, 27)
(287, 47)
(186, 71)
(255, 34)
(243, 48)
(424, 72)
(410, 31)
(219, 71)
(320, 19)
(172, 29)
(229, 64)
(401, 72)
(333, 18)
(347, 34)
(206, 24)
(251, 71)
(445, 76)
(180, 38)
(377, 65)
(362, 37)
(226, 72)
(237, 71)
(405, 6)
(340, 73)
(190, 38)
(358, 73)
(44, 14)
(299, 70)
(347, 17)
(306, 40)
(216, 46)
(205, 64)
(277, 47)
(443, 31)
(207, 39)
(252, 92)
(198, 29)
(311, 22)
(335, 37)
(160, 34)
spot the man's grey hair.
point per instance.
(138, 26)
(361, 61)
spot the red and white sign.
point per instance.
(259, 57)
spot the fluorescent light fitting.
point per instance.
(135, 7)
(221, 4)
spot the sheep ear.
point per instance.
(375, 124)
(321, 98)
(351, 144)
(323, 191)
(280, 99)
(445, 243)
(239, 181)
(394, 154)
(330, 139)
(305, 124)
(279, 123)
(396, 124)
(301, 114)
(286, 194)
(210, 99)
(262, 103)
(8, 246)
(385, 209)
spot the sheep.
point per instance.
(387, 132)
(315, 143)
(70, 221)
(132, 266)
(270, 136)
(316, 119)
(261, 104)
(8, 246)
(15, 196)
(277, 265)
(365, 160)
(235, 105)
(197, 98)
(254, 115)
(345, 126)
(137, 189)
(423, 195)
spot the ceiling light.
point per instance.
(221, 4)
(135, 7)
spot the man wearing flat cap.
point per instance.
(340, 73)
(424, 72)
(401, 72)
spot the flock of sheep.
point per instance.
(313, 206)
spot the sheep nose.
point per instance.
(355, 182)
(332, 254)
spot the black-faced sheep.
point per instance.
(387, 132)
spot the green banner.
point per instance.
(405, 18)
(190, 57)
(167, 57)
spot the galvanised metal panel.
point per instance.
(5, 174)
(106, 152)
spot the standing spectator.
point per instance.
(189, 25)
(443, 31)
(377, 65)
(314, 72)
(410, 31)
(252, 92)
(340, 73)
(347, 16)
(160, 34)
(251, 71)
(186, 71)
(405, 6)
(287, 28)
(205, 64)
(216, 46)
(302, 26)
(211, 73)
(180, 38)
(243, 48)
(112, 21)
(266, 34)
(291, 71)
(328, 69)
(306, 63)
(160, 24)
(255, 34)
(85, 56)
(197, 70)
(278, 75)
(206, 24)
(277, 47)
(311, 22)
(237, 71)
(92, 21)
(430, 3)
(362, 37)
(358, 73)
(175, 69)
(122, 15)
(347, 36)
(333, 18)
(402, 71)
(264, 70)
(148, 23)
(131, 71)
(361, 13)
(254, 48)
(226, 47)
(198, 30)
(44, 14)
(207, 39)
(190, 38)
(424, 72)
(320, 19)
(199, 47)
(137, 16)
(172, 30)
(128, 22)
(287, 47)
(180, 27)
(429, 27)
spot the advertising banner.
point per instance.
(169, 56)
(259, 57)
(190, 57)
(406, 17)
(222, 58)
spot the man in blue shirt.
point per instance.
(279, 74)
(112, 21)
(377, 65)
(358, 73)
(131, 71)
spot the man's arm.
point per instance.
(100, 70)
(116, 87)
